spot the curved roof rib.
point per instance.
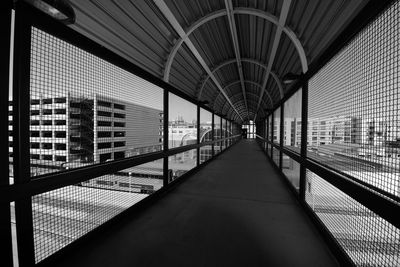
(245, 81)
(249, 60)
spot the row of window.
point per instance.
(59, 100)
(110, 114)
(57, 146)
(109, 105)
(109, 145)
(57, 134)
(48, 122)
(109, 124)
(49, 157)
(103, 134)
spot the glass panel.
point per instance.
(205, 134)
(85, 110)
(223, 133)
(182, 122)
(291, 169)
(292, 122)
(270, 127)
(64, 215)
(217, 133)
(277, 125)
(354, 123)
(182, 163)
(368, 239)
(275, 156)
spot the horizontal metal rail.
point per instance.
(49, 182)
(373, 198)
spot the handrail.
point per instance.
(380, 202)
(52, 181)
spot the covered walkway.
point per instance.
(236, 211)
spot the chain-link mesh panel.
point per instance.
(64, 215)
(291, 169)
(85, 110)
(292, 122)
(354, 119)
(181, 163)
(368, 239)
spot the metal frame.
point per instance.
(248, 60)
(21, 124)
(282, 126)
(380, 202)
(164, 9)
(6, 253)
(282, 21)
(24, 188)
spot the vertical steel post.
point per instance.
(198, 136)
(303, 151)
(6, 253)
(166, 137)
(282, 129)
(21, 121)
(212, 134)
(267, 135)
(272, 135)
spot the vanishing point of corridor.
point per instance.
(236, 211)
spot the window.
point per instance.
(103, 145)
(47, 134)
(60, 158)
(104, 123)
(61, 134)
(103, 134)
(60, 111)
(119, 144)
(59, 122)
(103, 113)
(119, 106)
(60, 100)
(34, 134)
(119, 134)
(60, 146)
(47, 146)
(119, 115)
(47, 101)
(47, 157)
(35, 112)
(35, 145)
(104, 103)
(105, 157)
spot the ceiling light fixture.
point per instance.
(60, 10)
(289, 78)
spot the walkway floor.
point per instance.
(234, 212)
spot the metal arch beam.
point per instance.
(282, 21)
(249, 60)
(162, 6)
(250, 93)
(240, 105)
(239, 10)
(246, 81)
(179, 43)
(232, 26)
(271, 18)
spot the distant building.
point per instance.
(72, 130)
